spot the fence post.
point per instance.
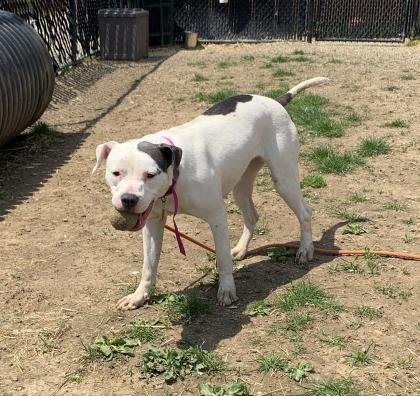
(309, 20)
(415, 20)
(73, 30)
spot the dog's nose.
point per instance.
(129, 200)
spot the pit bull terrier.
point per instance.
(192, 167)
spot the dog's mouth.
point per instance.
(142, 217)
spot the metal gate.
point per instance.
(360, 20)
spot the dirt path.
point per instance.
(64, 267)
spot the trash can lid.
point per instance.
(122, 12)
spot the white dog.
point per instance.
(219, 151)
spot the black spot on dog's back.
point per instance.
(228, 105)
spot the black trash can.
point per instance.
(123, 33)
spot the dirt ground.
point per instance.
(63, 267)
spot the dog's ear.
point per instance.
(102, 152)
(172, 155)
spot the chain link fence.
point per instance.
(70, 27)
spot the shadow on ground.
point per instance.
(255, 281)
(32, 158)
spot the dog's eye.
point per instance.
(116, 173)
(151, 175)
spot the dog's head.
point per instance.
(138, 173)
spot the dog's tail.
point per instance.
(291, 93)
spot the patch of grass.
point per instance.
(408, 77)
(335, 387)
(281, 254)
(307, 293)
(258, 308)
(262, 228)
(248, 58)
(335, 341)
(181, 307)
(298, 52)
(363, 311)
(395, 205)
(409, 221)
(76, 377)
(355, 324)
(353, 217)
(372, 267)
(405, 362)
(272, 362)
(199, 77)
(42, 128)
(397, 123)
(280, 73)
(394, 292)
(275, 93)
(352, 267)
(225, 64)
(405, 271)
(261, 85)
(372, 147)
(356, 198)
(336, 61)
(314, 181)
(280, 59)
(391, 88)
(236, 388)
(233, 209)
(301, 58)
(328, 160)
(106, 349)
(407, 238)
(144, 331)
(197, 64)
(351, 120)
(310, 114)
(215, 97)
(354, 229)
(298, 321)
(361, 358)
(174, 364)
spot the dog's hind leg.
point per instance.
(285, 173)
(243, 198)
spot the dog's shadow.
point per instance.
(253, 282)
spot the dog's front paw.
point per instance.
(305, 253)
(238, 252)
(132, 301)
(226, 294)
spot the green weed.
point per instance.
(327, 160)
(335, 387)
(352, 217)
(352, 267)
(336, 61)
(42, 128)
(394, 292)
(174, 364)
(356, 198)
(354, 229)
(298, 52)
(215, 97)
(391, 88)
(181, 307)
(361, 358)
(364, 311)
(306, 293)
(234, 389)
(258, 308)
(397, 123)
(409, 221)
(262, 228)
(280, 73)
(372, 147)
(225, 64)
(280, 59)
(301, 58)
(314, 181)
(248, 58)
(335, 341)
(273, 362)
(298, 321)
(107, 349)
(408, 238)
(199, 77)
(408, 77)
(405, 362)
(281, 254)
(144, 331)
(395, 205)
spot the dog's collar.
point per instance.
(171, 190)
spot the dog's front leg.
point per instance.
(152, 246)
(227, 290)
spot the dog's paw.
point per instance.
(132, 301)
(305, 254)
(238, 252)
(226, 294)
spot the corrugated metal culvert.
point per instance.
(26, 76)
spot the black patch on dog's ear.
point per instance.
(228, 105)
(164, 155)
(172, 155)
